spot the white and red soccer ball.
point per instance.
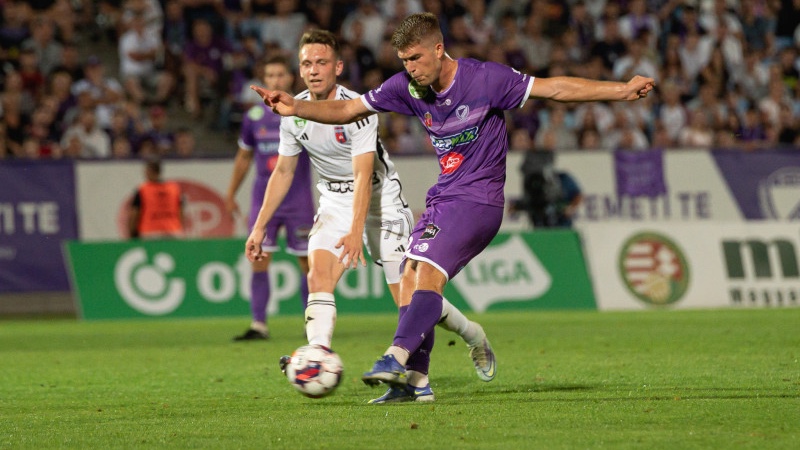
(314, 370)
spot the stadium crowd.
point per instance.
(727, 70)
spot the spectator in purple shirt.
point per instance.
(204, 58)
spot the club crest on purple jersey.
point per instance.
(428, 118)
(462, 112)
(431, 230)
(340, 136)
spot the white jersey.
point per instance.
(332, 147)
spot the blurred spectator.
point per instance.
(185, 144)
(772, 104)
(480, 27)
(13, 29)
(148, 10)
(98, 91)
(58, 91)
(695, 53)
(520, 141)
(459, 42)
(85, 138)
(204, 66)
(284, 27)
(71, 62)
(174, 37)
(751, 132)
(789, 127)
(139, 52)
(755, 27)
(372, 23)
(589, 139)
(43, 131)
(697, 133)
(537, 46)
(635, 61)
(555, 133)
(62, 12)
(163, 138)
(121, 148)
(121, 126)
(48, 51)
(610, 45)
(787, 22)
(396, 10)
(33, 81)
(626, 133)
(146, 148)
(637, 21)
(401, 137)
(672, 115)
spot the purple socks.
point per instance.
(416, 324)
(259, 296)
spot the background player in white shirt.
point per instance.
(360, 201)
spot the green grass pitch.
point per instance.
(640, 380)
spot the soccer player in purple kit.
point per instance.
(460, 103)
(259, 140)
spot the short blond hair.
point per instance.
(416, 28)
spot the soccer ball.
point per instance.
(314, 370)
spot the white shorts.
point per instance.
(388, 225)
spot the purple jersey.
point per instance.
(260, 133)
(465, 124)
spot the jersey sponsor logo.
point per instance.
(261, 132)
(255, 113)
(462, 112)
(428, 119)
(299, 123)
(431, 230)
(416, 90)
(448, 142)
(267, 147)
(451, 162)
(341, 137)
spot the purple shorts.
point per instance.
(448, 235)
(297, 229)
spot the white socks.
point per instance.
(454, 320)
(399, 353)
(320, 318)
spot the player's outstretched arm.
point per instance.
(574, 89)
(323, 111)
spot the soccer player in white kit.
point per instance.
(361, 201)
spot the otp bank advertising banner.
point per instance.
(211, 277)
